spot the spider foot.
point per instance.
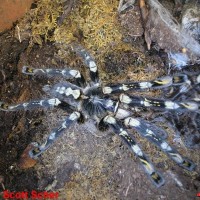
(157, 179)
(4, 106)
(36, 151)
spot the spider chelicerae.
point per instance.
(95, 101)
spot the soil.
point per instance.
(84, 163)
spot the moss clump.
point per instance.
(39, 23)
(45, 19)
(96, 21)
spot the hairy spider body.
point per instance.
(92, 100)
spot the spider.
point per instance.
(93, 100)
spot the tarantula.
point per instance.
(94, 100)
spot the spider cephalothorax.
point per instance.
(95, 101)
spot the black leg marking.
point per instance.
(102, 126)
(81, 119)
(64, 106)
(180, 79)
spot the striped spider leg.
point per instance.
(68, 94)
(39, 149)
(118, 128)
(46, 103)
(66, 73)
(151, 132)
(69, 73)
(89, 62)
(60, 88)
(189, 105)
(36, 150)
(160, 83)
